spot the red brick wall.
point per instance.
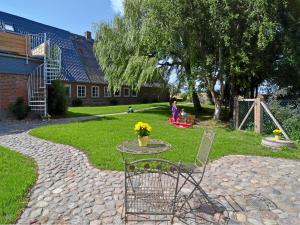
(146, 94)
(11, 87)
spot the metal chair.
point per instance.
(190, 171)
(151, 187)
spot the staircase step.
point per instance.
(30, 102)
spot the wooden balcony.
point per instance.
(18, 44)
(13, 44)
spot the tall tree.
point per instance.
(232, 44)
(236, 45)
(156, 38)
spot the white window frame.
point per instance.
(84, 91)
(125, 88)
(70, 89)
(119, 95)
(107, 92)
(92, 93)
(133, 95)
(9, 27)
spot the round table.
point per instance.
(154, 146)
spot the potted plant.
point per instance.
(143, 131)
(277, 134)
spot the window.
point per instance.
(9, 27)
(126, 92)
(68, 90)
(107, 92)
(81, 91)
(117, 93)
(133, 93)
(95, 91)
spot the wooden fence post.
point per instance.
(258, 114)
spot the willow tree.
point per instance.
(119, 59)
(222, 42)
(151, 41)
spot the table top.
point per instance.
(154, 147)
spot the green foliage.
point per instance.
(292, 126)
(57, 98)
(237, 44)
(18, 174)
(288, 115)
(77, 102)
(146, 45)
(287, 66)
(19, 108)
(185, 96)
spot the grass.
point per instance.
(98, 138)
(100, 110)
(17, 174)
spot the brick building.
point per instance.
(32, 55)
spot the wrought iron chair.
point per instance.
(201, 159)
(193, 175)
(151, 187)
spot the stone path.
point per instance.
(70, 191)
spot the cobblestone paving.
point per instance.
(70, 191)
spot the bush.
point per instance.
(145, 100)
(113, 102)
(57, 98)
(155, 100)
(77, 102)
(287, 112)
(19, 109)
(185, 96)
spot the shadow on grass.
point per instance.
(102, 118)
(206, 114)
(81, 114)
(74, 114)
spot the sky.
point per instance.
(76, 16)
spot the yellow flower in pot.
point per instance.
(277, 134)
(143, 131)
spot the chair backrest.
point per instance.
(205, 148)
(151, 187)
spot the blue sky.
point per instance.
(76, 16)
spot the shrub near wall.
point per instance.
(77, 102)
(57, 98)
(19, 109)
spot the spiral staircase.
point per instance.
(43, 75)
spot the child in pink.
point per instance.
(175, 111)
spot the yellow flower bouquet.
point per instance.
(277, 134)
(143, 130)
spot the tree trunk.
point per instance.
(218, 109)
(218, 106)
(192, 83)
(197, 104)
(233, 94)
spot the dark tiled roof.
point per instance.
(78, 61)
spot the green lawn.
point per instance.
(98, 138)
(100, 110)
(17, 175)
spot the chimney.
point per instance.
(88, 35)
